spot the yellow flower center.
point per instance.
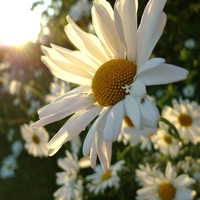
(36, 139)
(168, 139)
(128, 121)
(106, 175)
(185, 120)
(9, 166)
(108, 81)
(166, 191)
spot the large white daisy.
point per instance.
(113, 71)
(167, 187)
(186, 118)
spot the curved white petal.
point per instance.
(132, 110)
(162, 74)
(152, 35)
(93, 154)
(138, 90)
(62, 74)
(104, 25)
(74, 126)
(51, 152)
(114, 122)
(90, 135)
(128, 13)
(85, 42)
(104, 147)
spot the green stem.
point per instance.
(126, 150)
(172, 129)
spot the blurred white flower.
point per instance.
(57, 88)
(101, 180)
(8, 167)
(189, 43)
(38, 72)
(6, 82)
(17, 148)
(76, 144)
(16, 101)
(159, 93)
(196, 176)
(146, 142)
(188, 91)
(186, 118)
(15, 87)
(167, 186)
(129, 133)
(35, 105)
(36, 140)
(80, 9)
(4, 65)
(166, 143)
(72, 188)
(91, 28)
(11, 133)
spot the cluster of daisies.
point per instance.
(113, 70)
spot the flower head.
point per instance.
(113, 71)
(36, 140)
(167, 186)
(186, 118)
(101, 180)
(8, 167)
(17, 148)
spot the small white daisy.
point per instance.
(8, 167)
(186, 118)
(101, 180)
(36, 140)
(71, 187)
(15, 87)
(113, 71)
(17, 148)
(189, 91)
(168, 187)
(166, 143)
(189, 43)
(80, 9)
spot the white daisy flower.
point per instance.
(145, 175)
(186, 118)
(17, 148)
(80, 9)
(101, 180)
(188, 91)
(168, 187)
(113, 72)
(72, 188)
(8, 167)
(146, 142)
(15, 87)
(166, 143)
(36, 140)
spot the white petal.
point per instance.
(89, 137)
(93, 154)
(85, 42)
(114, 122)
(132, 110)
(104, 147)
(162, 74)
(152, 36)
(74, 126)
(183, 181)
(138, 90)
(62, 74)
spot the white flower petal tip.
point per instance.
(138, 89)
(84, 162)
(51, 152)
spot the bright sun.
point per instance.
(18, 24)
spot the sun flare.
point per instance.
(18, 26)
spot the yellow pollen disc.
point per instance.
(168, 139)
(128, 121)
(166, 191)
(108, 81)
(36, 139)
(9, 166)
(185, 120)
(106, 175)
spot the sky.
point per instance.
(18, 24)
